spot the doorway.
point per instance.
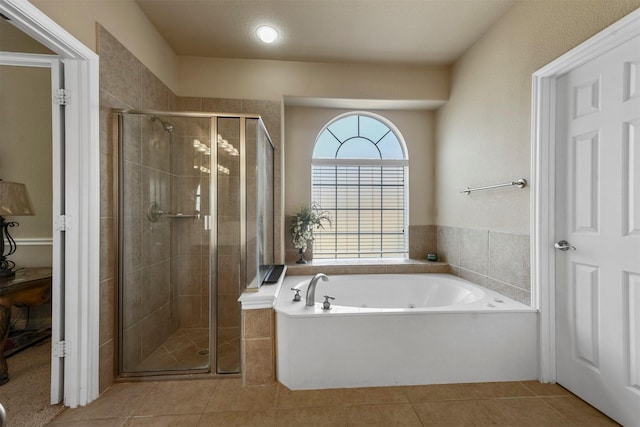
(75, 376)
(31, 142)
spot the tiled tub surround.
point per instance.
(422, 240)
(495, 260)
(367, 266)
(258, 346)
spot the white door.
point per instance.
(598, 214)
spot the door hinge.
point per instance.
(62, 223)
(61, 97)
(60, 349)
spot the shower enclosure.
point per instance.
(195, 231)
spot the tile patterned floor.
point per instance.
(225, 402)
(187, 348)
(182, 350)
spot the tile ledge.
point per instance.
(362, 261)
(364, 266)
(263, 297)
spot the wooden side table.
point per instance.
(30, 286)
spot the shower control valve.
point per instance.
(326, 305)
(297, 296)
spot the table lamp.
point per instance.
(14, 201)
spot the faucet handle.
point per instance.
(297, 296)
(326, 305)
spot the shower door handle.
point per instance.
(207, 222)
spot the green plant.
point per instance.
(309, 218)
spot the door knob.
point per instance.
(563, 245)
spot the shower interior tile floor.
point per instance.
(225, 402)
(188, 348)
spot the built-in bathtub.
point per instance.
(402, 329)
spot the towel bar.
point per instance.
(521, 183)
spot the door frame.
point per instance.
(543, 145)
(82, 199)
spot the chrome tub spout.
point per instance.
(311, 289)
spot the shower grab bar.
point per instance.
(154, 213)
(181, 215)
(521, 183)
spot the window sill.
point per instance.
(367, 266)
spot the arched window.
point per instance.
(359, 175)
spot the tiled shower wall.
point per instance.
(189, 239)
(496, 260)
(125, 83)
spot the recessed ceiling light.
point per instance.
(267, 33)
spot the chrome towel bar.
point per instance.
(521, 183)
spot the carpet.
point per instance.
(26, 396)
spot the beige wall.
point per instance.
(25, 154)
(122, 18)
(231, 78)
(13, 39)
(25, 143)
(483, 132)
(302, 126)
(271, 80)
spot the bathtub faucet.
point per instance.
(311, 289)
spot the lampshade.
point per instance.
(14, 200)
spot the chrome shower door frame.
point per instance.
(211, 225)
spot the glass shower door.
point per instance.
(164, 243)
(259, 164)
(230, 248)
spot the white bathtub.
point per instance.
(402, 329)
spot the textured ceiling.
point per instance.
(369, 31)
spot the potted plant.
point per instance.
(309, 218)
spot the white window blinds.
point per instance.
(367, 207)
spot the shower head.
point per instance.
(168, 127)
